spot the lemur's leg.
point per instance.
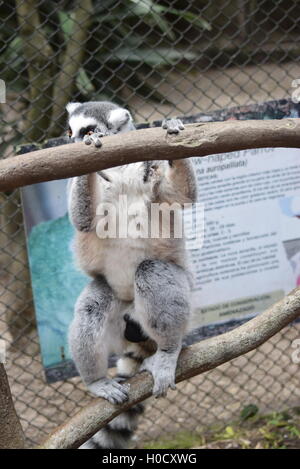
(97, 325)
(163, 305)
(118, 432)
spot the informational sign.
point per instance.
(248, 259)
(251, 252)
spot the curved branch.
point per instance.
(147, 144)
(194, 360)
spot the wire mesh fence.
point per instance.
(159, 58)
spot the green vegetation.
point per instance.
(278, 430)
(51, 53)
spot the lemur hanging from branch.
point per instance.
(137, 304)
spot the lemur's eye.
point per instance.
(86, 130)
(69, 132)
(90, 129)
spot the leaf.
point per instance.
(161, 56)
(249, 411)
(147, 7)
(191, 18)
(229, 432)
(14, 49)
(294, 431)
(151, 14)
(12, 65)
(66, 23)
(83, 83)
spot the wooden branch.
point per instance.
(194, 360)
(11, 433)
(199, 139)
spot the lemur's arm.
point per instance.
(83, 191)
(179, 184)
(82, 197)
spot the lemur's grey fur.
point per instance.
(140, 287)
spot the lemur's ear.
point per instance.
(119, 117)
(72, 106)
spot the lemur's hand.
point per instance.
(93, 137)
(173, 126)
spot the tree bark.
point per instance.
(193, 361)
(196, 140)
(11, 433)
(40, 68)
(70, 64)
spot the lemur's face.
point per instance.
(101, 116)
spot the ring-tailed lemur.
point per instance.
(138, 301)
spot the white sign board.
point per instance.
(251, 251)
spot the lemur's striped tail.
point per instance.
(118, 433)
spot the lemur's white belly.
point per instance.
(120, 265)
(116, 259)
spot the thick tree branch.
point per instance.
(194, 360)
(196, 140)
(11, 433)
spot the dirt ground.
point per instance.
(266, 377)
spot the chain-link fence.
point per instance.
(159, 58)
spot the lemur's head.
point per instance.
(104, 116)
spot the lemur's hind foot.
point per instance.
(110, 389)
(162, 366)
